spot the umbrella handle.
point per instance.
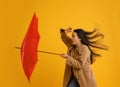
(42, 51)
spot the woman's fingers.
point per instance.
(69, 29)
(64, 55)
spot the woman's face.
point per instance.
(75, 39)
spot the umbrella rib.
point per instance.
(42, 51)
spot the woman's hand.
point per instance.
(64, 55)
(69, 29)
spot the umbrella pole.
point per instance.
(48, 52)
(42, 51)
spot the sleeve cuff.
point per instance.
(62, 30)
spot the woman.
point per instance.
(80, 56)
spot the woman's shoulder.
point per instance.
(83, 48)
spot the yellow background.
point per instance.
(15, 16)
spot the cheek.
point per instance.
(75, 40)
(78, 41)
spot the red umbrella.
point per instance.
(29, 47)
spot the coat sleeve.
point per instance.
(79, 62)
(65, 38)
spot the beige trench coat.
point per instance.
(79, 59)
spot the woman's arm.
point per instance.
(65, 38)
(78, 63)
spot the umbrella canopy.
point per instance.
(29, 47)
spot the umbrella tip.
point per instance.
(17, 47)
(29, 81)
(35, 14)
